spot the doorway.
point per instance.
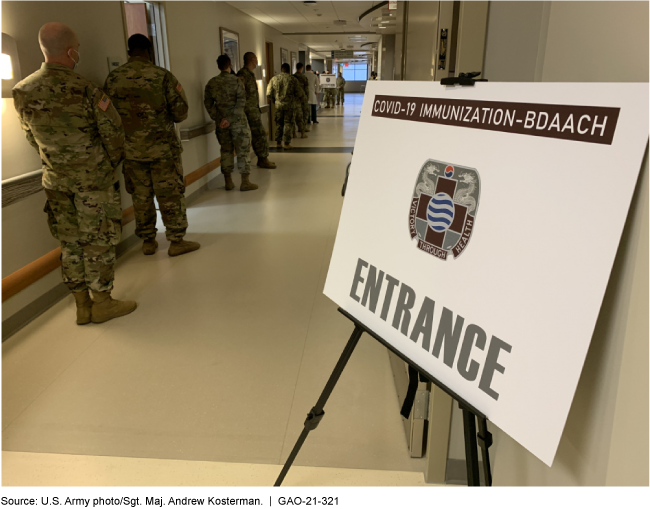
(148, 18)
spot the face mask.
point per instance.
(76, 62)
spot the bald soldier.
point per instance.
(225, 99)
(253, 112)
(150, 99)
(78, 134)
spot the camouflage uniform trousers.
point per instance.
(89, 226)
(236, 138)
(329, 97)
(302, 115)
(306, 112)
(258, 133)
(164, 179)
(340, 96)
(284, 119)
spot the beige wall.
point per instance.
(425, 20)
(193, 40)
(605, 441)
(513, 40)
(421, 40)
(472, 27)
(597, 41)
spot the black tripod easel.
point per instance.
(470, 414)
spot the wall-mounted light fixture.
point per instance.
(259, 73)
(6, 70)
(9, 65)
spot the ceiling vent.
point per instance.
(340, 22)
(350, 46)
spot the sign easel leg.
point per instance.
(471, 450)
(485, 441)
(316, 414)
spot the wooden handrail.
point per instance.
(202, 171)
(32, 272)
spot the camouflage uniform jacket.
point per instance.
(300, 91)
(340, 82)
(304, 84)
(250, 86)
(225, 98)
(283, 89)
(74, 127)
(149, 99)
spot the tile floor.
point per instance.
(228, 350)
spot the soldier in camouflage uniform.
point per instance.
(253, 113)
(225, 99)
(282, 90)
(302, 106)
(150, 99)
(329, 97)
(78, 134)
(340, 89)
(299, 123)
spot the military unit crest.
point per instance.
(443, 208)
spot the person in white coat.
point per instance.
(313, 93)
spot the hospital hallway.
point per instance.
(209, 381)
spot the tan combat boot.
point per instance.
(84, 307)
(149, 246)
(106, 308)
(246, 184)
(307, 129)
(229, 183)
(179, 247)
(303, 135)
(279, 145)
(263, 162)
(288, 146)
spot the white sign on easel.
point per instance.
(327, 81)
(478, 232)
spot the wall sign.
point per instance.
(479, 230)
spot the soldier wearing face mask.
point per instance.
(75, 128)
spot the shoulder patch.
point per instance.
(104, 103)
(179, 87)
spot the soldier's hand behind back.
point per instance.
(224, 124)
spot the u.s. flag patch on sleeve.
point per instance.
(104, 103)
(179, 87)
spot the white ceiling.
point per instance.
(313, 24)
